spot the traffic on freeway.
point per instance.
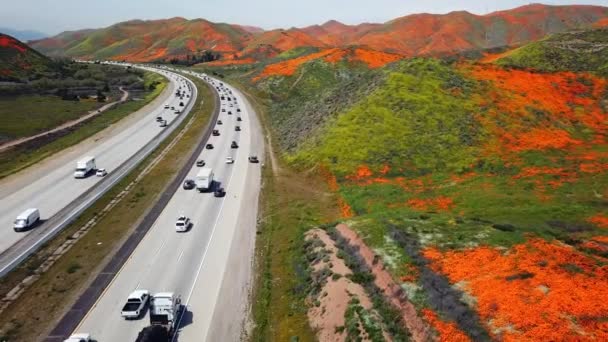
(184, 257)
(62, 179)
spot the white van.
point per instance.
(26, 219)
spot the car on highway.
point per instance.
(223, 110)
(200, 163)
(159, 118)
(181, 104)
(239, 119)
(82, 337)
(172, 107)
(136, 304)
(229, 160)
(219, 192)
(163, 123)
(237, 128)
(229, 112)
(238, 110)
(166, 106)
(234, 145)
(177, 111)
(209, 146)
(101, 172)
(215, 133)
(182, 224)
(219, 122)
(189, 184)
(253, 159)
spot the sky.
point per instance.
(55, 16)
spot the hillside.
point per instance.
(18, 61)
(143, 41)
(574, 51)
(481, 188)
(412, 35)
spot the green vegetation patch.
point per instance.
(571, 51)
(420, 119)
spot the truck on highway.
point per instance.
(165, 310)
(136, 304)
(204, 179)
(26, 219)
(84, 166)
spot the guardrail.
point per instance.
(18, 252)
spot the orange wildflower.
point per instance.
(448, 332)
(599, 220)
(537, 291)
(440, 203)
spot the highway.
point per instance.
(195, 264)
(50, 185)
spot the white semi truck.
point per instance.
(84, 166)
(204, 179)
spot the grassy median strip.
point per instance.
(291, 204)
(42, 304)
(18, 158)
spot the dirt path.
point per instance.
(125, 95)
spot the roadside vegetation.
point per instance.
(22, 156)
(291, 203)
(32, 316)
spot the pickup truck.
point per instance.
(136, 304)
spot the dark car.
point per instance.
(189, 184)
(209, 146)
(159, 118)
(228, 99)
(253, 159)
(237, 128)
(239, 119)
(181, 104)
(216, 133)
(219, 122)
(223, 110)
(229, 113)
(219, 192)
(238, 110)
(234, 145)
(200, 163)
(223, 98)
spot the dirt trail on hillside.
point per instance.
(392, 291)
(93, 113)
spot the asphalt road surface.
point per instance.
(194, 264)
(51, 186)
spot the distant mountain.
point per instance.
(23, 35)
(18, 61)
(151, 40)
(418, 34)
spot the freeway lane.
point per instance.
(180, 262)
(54, 188)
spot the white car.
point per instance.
(136, 304)
(79, 338)
(166, 106)
(101, 172)
(182, 224)
(229, 160)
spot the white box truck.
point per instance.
(26, 219)
(84, 166)
(204, 179)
